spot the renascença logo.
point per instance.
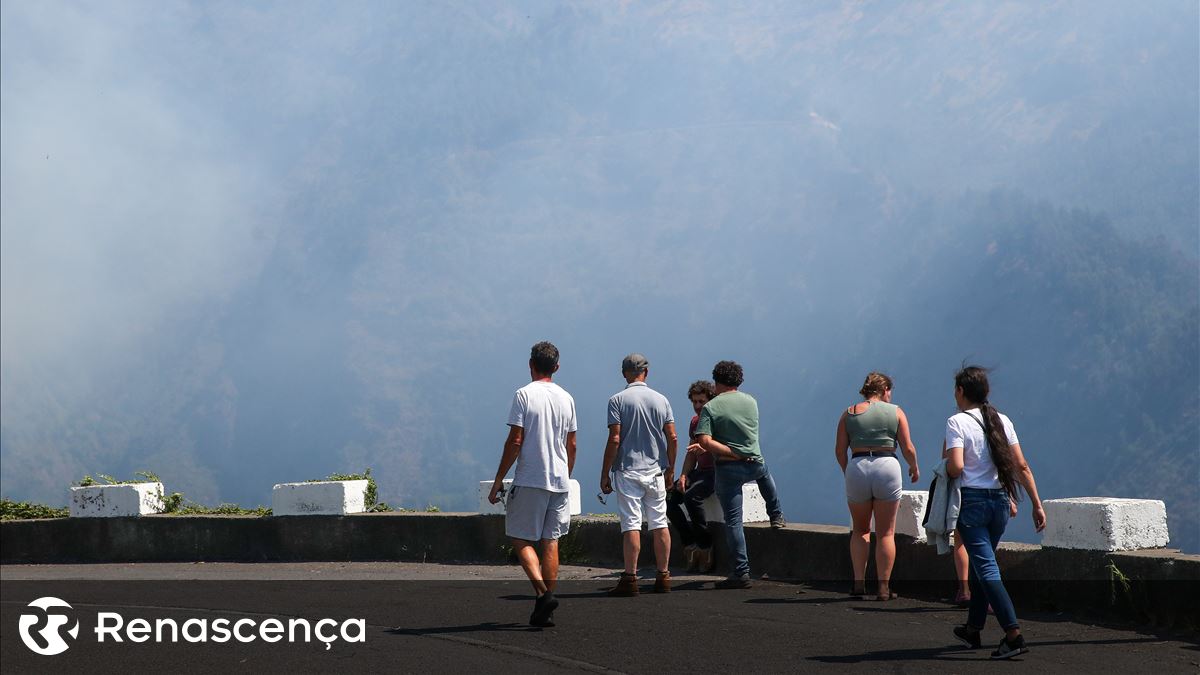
(51, 640)
(42, 631)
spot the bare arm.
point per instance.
(689, 463)
(841, 442)
(715, 447)
(570, 452)
(512, 448)
(610, 455)
(1025, 478)
(672, 450)
(954, 462)
(904, 439)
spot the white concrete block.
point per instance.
(113, 501)
(485, 488)
(322, 498)
(912, 511)
(1105, 523)
(754, 507)
(908, 518)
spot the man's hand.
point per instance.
(497, 487)
(1012, 508)
(681, 484)
(695, 448)
(606, 484)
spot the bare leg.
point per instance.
(528, 557)
(632, 548)
(549, 562)
(860, 542)
(885, 544)
(961, 565)
(662, 548)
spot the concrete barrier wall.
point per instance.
(1158, 586)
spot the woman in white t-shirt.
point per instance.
(982, 449)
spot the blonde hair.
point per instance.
(875, 384)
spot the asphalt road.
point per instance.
(446, 618)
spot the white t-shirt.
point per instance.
(963, 432)
(546, 412)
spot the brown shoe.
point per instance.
(662, 582)
(626, 587)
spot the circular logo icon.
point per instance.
(42, 631)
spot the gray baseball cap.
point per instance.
(634, 363)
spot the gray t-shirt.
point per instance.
(546, 413)
(642, 414)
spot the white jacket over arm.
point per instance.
(943, 509)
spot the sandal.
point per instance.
(857, 592)
(885, 598)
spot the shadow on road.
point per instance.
(911, 610)
(489, 626)
(798, 601)
(954, 653)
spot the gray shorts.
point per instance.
(870, 478)
(533, 514)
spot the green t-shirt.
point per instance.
(732, 419)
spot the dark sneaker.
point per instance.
(1010, 648)
(626, 587)
(777, 521)
(734, 583)
(690, 553)
(968, 636)
(705, 562)
(662, 582)
(543, 610)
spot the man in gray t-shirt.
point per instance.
(639, 461)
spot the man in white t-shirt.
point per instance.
(541, 440)
(639, 461)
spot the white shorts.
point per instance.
(533, 514)
(641, 495)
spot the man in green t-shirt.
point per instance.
(728, 430)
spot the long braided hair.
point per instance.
(974, 383)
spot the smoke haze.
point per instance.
(244, 245)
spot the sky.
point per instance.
(251, 243)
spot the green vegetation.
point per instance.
(373, 505)
(174, 503)
(1119, 584)
(194, 509)
(142, 477)
(12, 510)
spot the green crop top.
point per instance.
(874, 427)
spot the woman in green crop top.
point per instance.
(872, 430)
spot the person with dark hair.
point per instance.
(696, 482)
(639, 461)
(541, 440)
(728, 430)
(983, 451)
(872, 430)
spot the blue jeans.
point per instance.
(981, 522)
(731, 476)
